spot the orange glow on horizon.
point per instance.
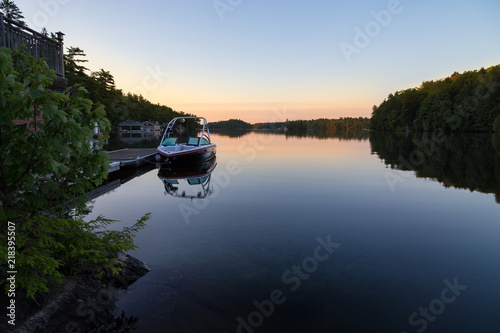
(279, 147)
(269, 112)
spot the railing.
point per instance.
(13, 34)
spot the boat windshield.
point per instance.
(169, 141)
(193, 141)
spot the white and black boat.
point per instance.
(195, 149)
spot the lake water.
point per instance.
(320, 234)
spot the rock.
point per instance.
(80, 305)
(132, 271)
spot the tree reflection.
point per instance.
(461, 160)
(359, 135)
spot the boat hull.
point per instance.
(195, 155)
(176, 171)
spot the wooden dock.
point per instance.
(130, 158)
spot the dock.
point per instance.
(130, 158)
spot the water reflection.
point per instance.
(213, 259)
(327, 134)
(130, 140)
(189, 181)
(119, 178)
(459, 160)
(316, 134)
(233, 133)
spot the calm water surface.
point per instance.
(308, 234)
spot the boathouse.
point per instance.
(132, 126)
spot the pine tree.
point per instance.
(11, 11)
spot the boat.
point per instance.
(195, 149)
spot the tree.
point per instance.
(11, 11)
(101, 88)
(74, 70)
(49, 159)
(461, 102)
(329, 125)
(231, 124)
(47, 135)
(104, 78)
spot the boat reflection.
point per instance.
(189, 181)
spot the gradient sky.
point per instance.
(246, 59)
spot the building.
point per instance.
(132, 126)
(151, 126)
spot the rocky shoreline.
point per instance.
(80, 305)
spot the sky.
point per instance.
(272, 60)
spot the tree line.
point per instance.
(329, 125)
(276, 126)
(230, 125)
(297, 126)
(467, 102)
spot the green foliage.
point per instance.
(12, 11)
(276, 126)
(47, 152)
(101, 88)
(231, 124)
(48, 249)
(49, 159)
(461, 102)
(330, 126)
